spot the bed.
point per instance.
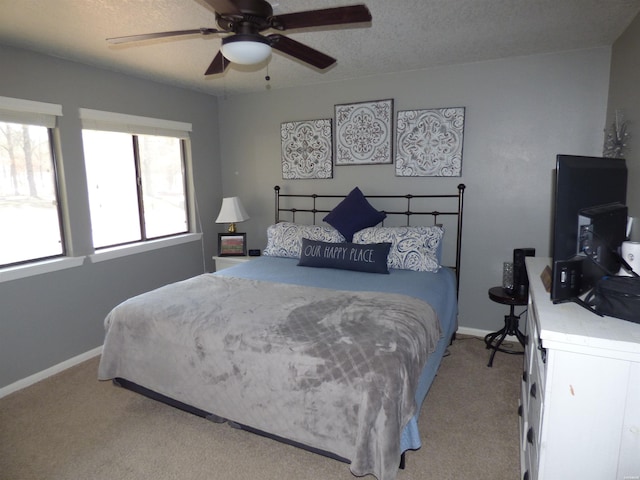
(325, 342)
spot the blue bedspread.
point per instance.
(437, 289)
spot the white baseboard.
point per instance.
(30, 380)
(474, 332)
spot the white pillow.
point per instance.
(412, 248)
(284, 239)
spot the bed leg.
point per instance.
(402, 461)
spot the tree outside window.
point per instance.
(29, 215)
(136, 186)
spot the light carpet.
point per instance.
(73, 427)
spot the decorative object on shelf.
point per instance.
(232, 212)
(617, 137)
(232, 244)
(430, 142)
(364, 133)
(307, 151)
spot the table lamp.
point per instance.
(232, 212)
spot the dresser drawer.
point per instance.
(535, 401)
(532, 396)
(532, 461)
(523, 414)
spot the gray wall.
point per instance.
(520, 113)
(624, 95)
(50, 318)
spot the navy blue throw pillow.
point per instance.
(371, 258)
(353, 214)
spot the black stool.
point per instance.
(495, 339)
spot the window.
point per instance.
(136, 178)
(30, 216)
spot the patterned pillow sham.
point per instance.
(284, 239)
(412, 248)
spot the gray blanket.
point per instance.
(333, 370)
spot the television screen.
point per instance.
(580, 184)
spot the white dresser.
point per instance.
(580, 402)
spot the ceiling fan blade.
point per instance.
(219, 65)
(320, 18)
(224, 6)
(300, 51)
(151, 36)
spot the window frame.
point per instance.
(21, 109)
(46, 115)
(137, 125)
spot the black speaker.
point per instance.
(520, 280)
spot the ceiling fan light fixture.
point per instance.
(245, 48)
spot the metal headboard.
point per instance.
(457, 199)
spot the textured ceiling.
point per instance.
(404, 35)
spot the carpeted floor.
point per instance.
(72, 427)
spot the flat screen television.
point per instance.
(582, 183)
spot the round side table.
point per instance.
(494, 340)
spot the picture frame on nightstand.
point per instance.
(232, 244)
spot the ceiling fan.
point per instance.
(245, 19)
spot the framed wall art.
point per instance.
(364, 133)
(307, 151)
(232, 244)
(430, 142)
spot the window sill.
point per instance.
(38, 268)
(132, 249)
(47, 266)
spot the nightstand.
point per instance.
(226, 262)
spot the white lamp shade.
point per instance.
(232, 211)
(246, 49)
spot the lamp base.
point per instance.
(232, 228)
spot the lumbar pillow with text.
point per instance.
(352, 214)
(370, 258)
